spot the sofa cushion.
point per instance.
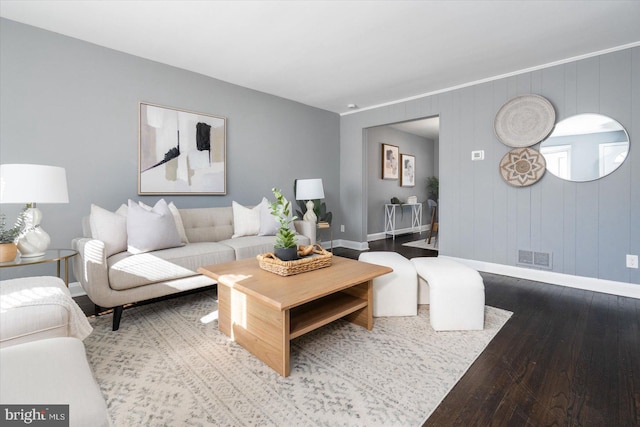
(151, 230)
(246, 221)
(176, 217)
(110, 227)
(127, 271)
(179, 224)
(269, 225)
(251, 246)
(208, 224)
(53, 371)
(33, 308)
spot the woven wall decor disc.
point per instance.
(524, 120)
(522, 167)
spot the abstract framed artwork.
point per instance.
(181, 152)
(408, 176)
(390, 161)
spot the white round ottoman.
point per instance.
(456, 293)
(395, 293)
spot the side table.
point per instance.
(51, 255)
(326, 226)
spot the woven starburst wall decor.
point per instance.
(522, 167)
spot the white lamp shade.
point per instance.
(33, 184)
(309, 189)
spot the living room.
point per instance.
(75, 104)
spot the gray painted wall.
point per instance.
(69, 103)
(380, 191)
(589, 227)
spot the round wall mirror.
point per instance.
(585, 147)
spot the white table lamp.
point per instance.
(31, 184)
(309, 190)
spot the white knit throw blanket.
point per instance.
(41, 291)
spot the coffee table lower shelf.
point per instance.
(314, 314)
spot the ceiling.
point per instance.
(329, 54)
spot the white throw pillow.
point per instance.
(110, 227)
(151, 230)
(177, 218)
(268, 223)
(179, 224)
(246, 221)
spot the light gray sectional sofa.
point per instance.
(114, 275)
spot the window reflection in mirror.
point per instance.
(585, 147)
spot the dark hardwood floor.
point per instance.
(567, 357)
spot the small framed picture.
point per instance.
(408, 177)
(390, 161)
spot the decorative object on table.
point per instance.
(285, 247)
(319, 258)
(433, 185)
(31, 184)
(524, 121)
(9, 236)
(390, 154)
(412, 200)
(522, 167)
(408, 177)
(312, 191)
(181, 152)
(395, 201)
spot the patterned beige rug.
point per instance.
(169, 366)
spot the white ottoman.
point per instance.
(395, 293)
(456, 293)
(33, 308)
(53, 371)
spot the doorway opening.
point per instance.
(417, 143)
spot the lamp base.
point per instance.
(36, 241)
(310, 215)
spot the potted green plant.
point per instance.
(9, 236)
(433, 188)
(285, 247)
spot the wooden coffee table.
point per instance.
(263, 311)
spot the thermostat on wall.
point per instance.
(477, 155)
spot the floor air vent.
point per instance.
(535, 259)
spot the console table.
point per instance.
(390, 217)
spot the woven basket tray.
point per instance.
(273, 264)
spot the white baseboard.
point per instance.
(579, 282)
(383, 235)
(349, 244)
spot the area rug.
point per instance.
(422, 243)
(169, 366)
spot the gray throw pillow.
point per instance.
(151, 230)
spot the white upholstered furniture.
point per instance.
(113, 276)
(456, 293)
(34, 308)
(395, 293)
(49, 372)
